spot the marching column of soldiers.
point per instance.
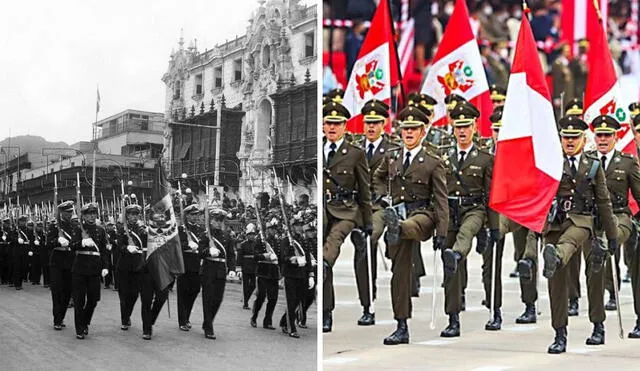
(73, 249)
(422, 181)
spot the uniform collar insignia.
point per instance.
(616, 159)
(420, 159)
(344, 151)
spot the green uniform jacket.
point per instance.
(623, 175)
(378, 156)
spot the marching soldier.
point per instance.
(90, 261)
(131, 242)
(247, 263)
(35, 271)
(189, 282)
(44, 254)
(310, 245)
(20, 249)
(217, 259)
(581, 195)
(5, 251)
(62, 238)
(114, 254)
(418, 193)
(268, 274)
(346, 193)
(468, 182)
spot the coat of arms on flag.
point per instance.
(458, 76)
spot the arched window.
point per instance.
(266, 56)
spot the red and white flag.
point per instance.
(457, 68)
(603, 95)
(528, 162)
(376, 70)
(576, 18)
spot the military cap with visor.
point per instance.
(634, 109)
(335, 112)
(464, 115)
(336, 95)
(66, 206)
(605, 124)
(90, 207)
(572, 126)
(452, 100)
(498, 93)
(192, 209)
(422, 100)
(375, 111)
(133, 209)
(574, 107)
(412, 117)
(496, 118)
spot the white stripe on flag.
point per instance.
(580, 19)
(405, 48)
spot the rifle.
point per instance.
(55, 204)
(124, 217)
(260, 230)
(297, 249)
(212, 240)
(79, 207)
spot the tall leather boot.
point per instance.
(560, 342)
(453, 330)
(400, 335)
(597, 337)
(494, 323)
(327, 322)
(529, 315)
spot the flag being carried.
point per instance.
(528, 162)
(457, 68)
(376, 70)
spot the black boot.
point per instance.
(560, 342)
(400, 335)
(551, 261)
(635, 333)
(367, 318)
(597, 337)
(529, 315)
(627, 277)
(453, 330)
(393, 225)
(525, 269)
(327, 322)
(450, 260)
(611, 304)
(573, 307)
(495, 323)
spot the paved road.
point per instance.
(28, 341)
(515, 347)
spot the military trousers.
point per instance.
(414, 229)
(151, 302)
(526, 247)
(624, 232)
(128, 291)
(267, 289)
(295, 290)
(36, 270)
(248, 286)
(212, 295)
(487, 262)
(188, 286)
(460, 241)
(61, 289)
(360, 262)
(86, 295)
(19, 272)
(336, 232)
(633, 255)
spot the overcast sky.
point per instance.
(54, 53)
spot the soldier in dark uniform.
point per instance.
(217, 261)
(43, 253)
(498, 95)
(346, 193)
(35, 272)
(62, 239)
(418, 197)
(189, 282)
(90, 262)
(20, 249)
(582, 194)
(469, 171)
(112, 247)
(5, 251)
(268, 273)
(247, 262)
(130, 264)
(310, 245)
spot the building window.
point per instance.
(266, 56)
(237, 70)
(176, 90)
(309, 44)
(198, 84)
(217, 77)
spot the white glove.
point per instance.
(4, 238)
(88, 242)
(193, 245)
(132, 249)
(30, 253)
(293, 260)
(239, 274)
(20, 240)
(36, 242)
(272, 257)
(302, 261)
(63, 242)
(109, 247)
(104, 272)
(232, 274)
(214, 252)
(311, 282)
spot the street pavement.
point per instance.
(29, 342)
(515, 347)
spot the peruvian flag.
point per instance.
(603, 93)
(457, 68)
(576, 17)
(528, 162)
(376, 70)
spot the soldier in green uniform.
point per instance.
(347, 196)
(579, 68)
(581, 195)
(631, 251)
(498, 95)
(418, 197)
(469, 171)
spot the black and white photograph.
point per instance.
(158, 185)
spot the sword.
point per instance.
(433, 291)
(615, 291)
(370, 273)
(493, 278)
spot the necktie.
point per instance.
(574, 169)
(331, 153)
(604, 162)
(370, 152)
(407, 161)
(462, 153)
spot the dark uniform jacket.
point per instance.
(62, 257)
(293, 270)
(28, 237)
(422, 187)
(246, 256)
(623, 175)
(42, 243)
(132, 262)
(267, 268)
(90, 261)
(581, 205)
(376, 161)
(191, 258)
(346, 185)
(469, 184)
(219, 266)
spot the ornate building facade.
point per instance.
(247, 107)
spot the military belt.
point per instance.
(340, 196)
(61, 249)
(411, 206)
(247, 256)
(466, 200)
(222, 260)
(94, 253)
(571, 205)
(189, 252)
